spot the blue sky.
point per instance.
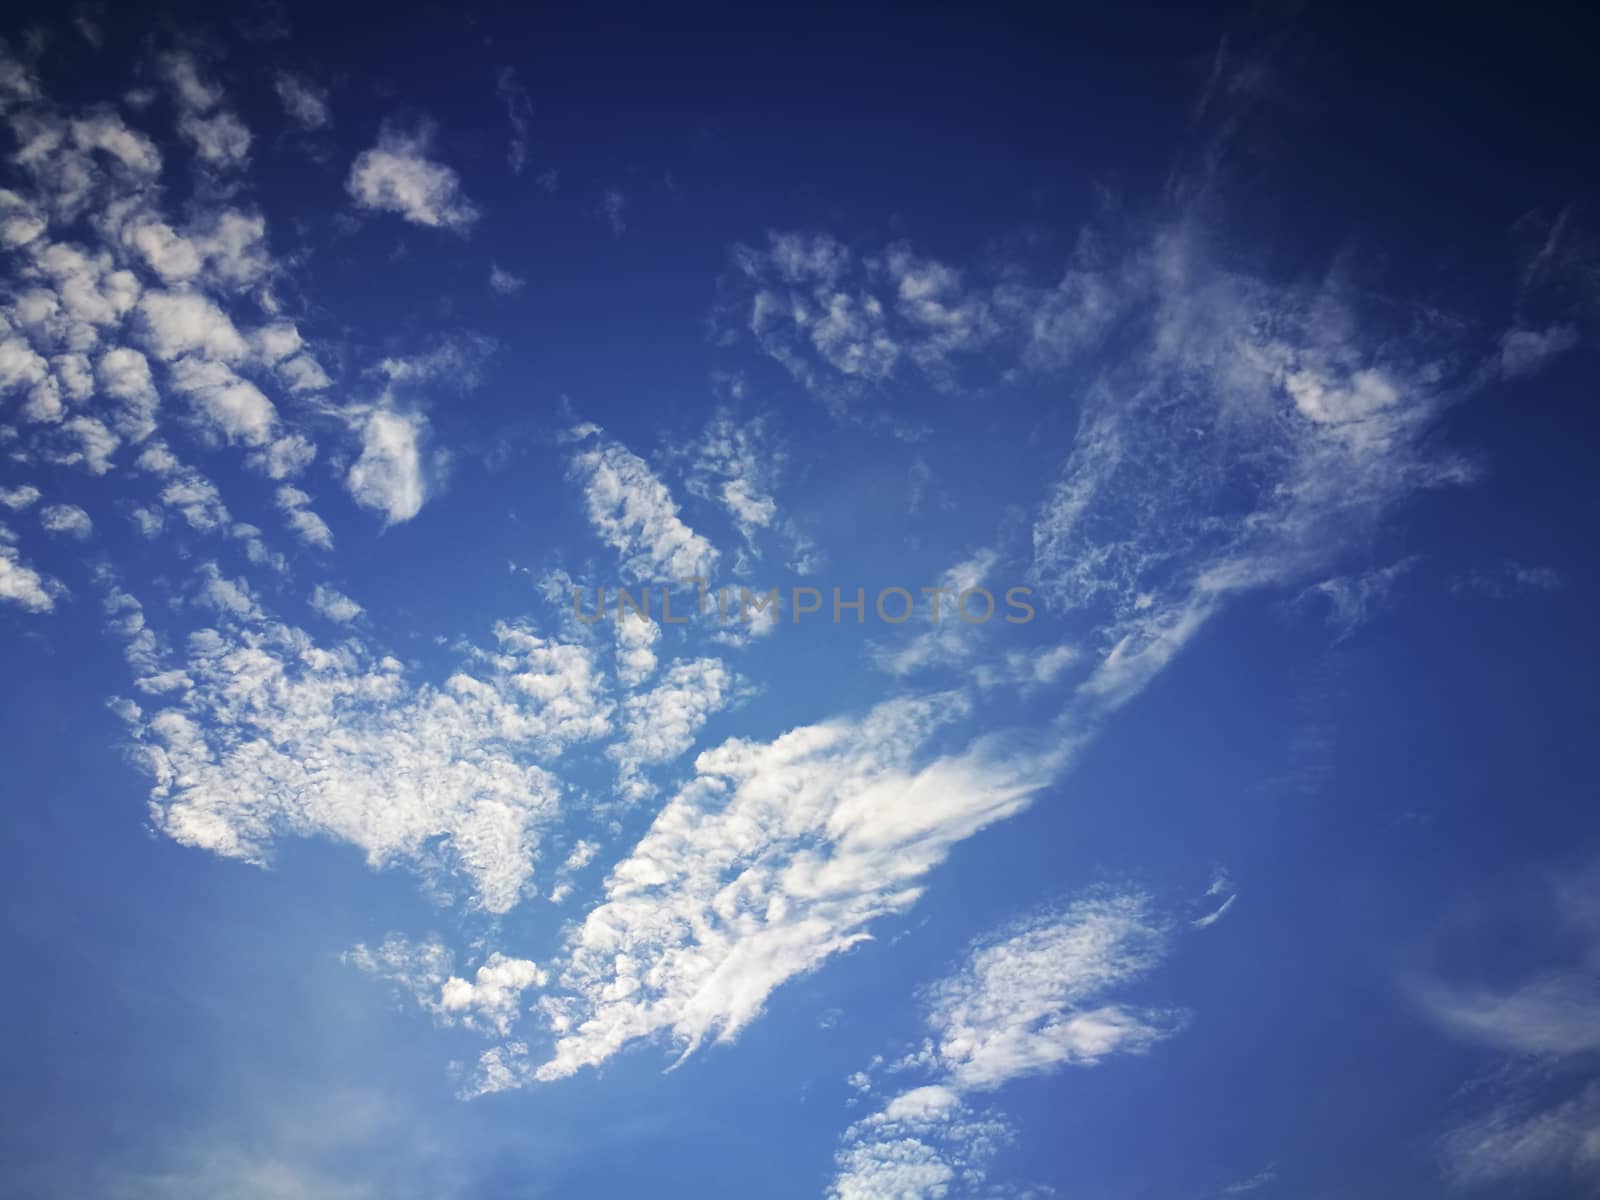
(1244, 364)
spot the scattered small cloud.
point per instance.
(613, 207)
(519, 111)
(305, 103)
(66, 520)
(334, 605)
(504, 281)
(397, 176)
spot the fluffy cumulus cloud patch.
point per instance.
(389, 476)
(396, 176)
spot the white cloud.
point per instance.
(230, 598)
(285, 457)
(302, 373)
(20, 584)
(845, 324)
(774, 858)
(504, 281)
(734, 466)
(1519, 1139)
(148, 521)
(1155, 521)
(1509, 576)
(80, 441)
(189, 85)
(217, 135)
(20, 221)
(89, 29)
(490, 1002)
(583, 853)
(228, 404)
(660, 724)
(106, 132)
(67, 520)
(950, 640)
(1027, 669)
(1259, 1180)
(255, 549)
(613, 206)
(281, 736)
(124, 375)
(277, 340)
(20, 367)
(389, 477)
(74, 375)
(304, 102)
(519, 111)
(1555, 1013)
(456, 360)
(1028, 1000)
(1524, 352)
(225, 249)
(308, 527)
(220, 139)
(334, 605)
(636, 639)
(396, 176)
(186, 322)
(634, 513)
(1350, 598)
(194, 496)
(1221, 886)
(1535, 1124)
(18, 498)
(925, 1145)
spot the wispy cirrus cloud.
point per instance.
(519, 112)
(1539, 1115)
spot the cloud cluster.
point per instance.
(1028, 1000)
(216, 134)
(489, 1002)
(734, 466)
(633, 512)
(273, 734)
(775, 857)
(129, 332)
(658, 725)
(845, 323)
